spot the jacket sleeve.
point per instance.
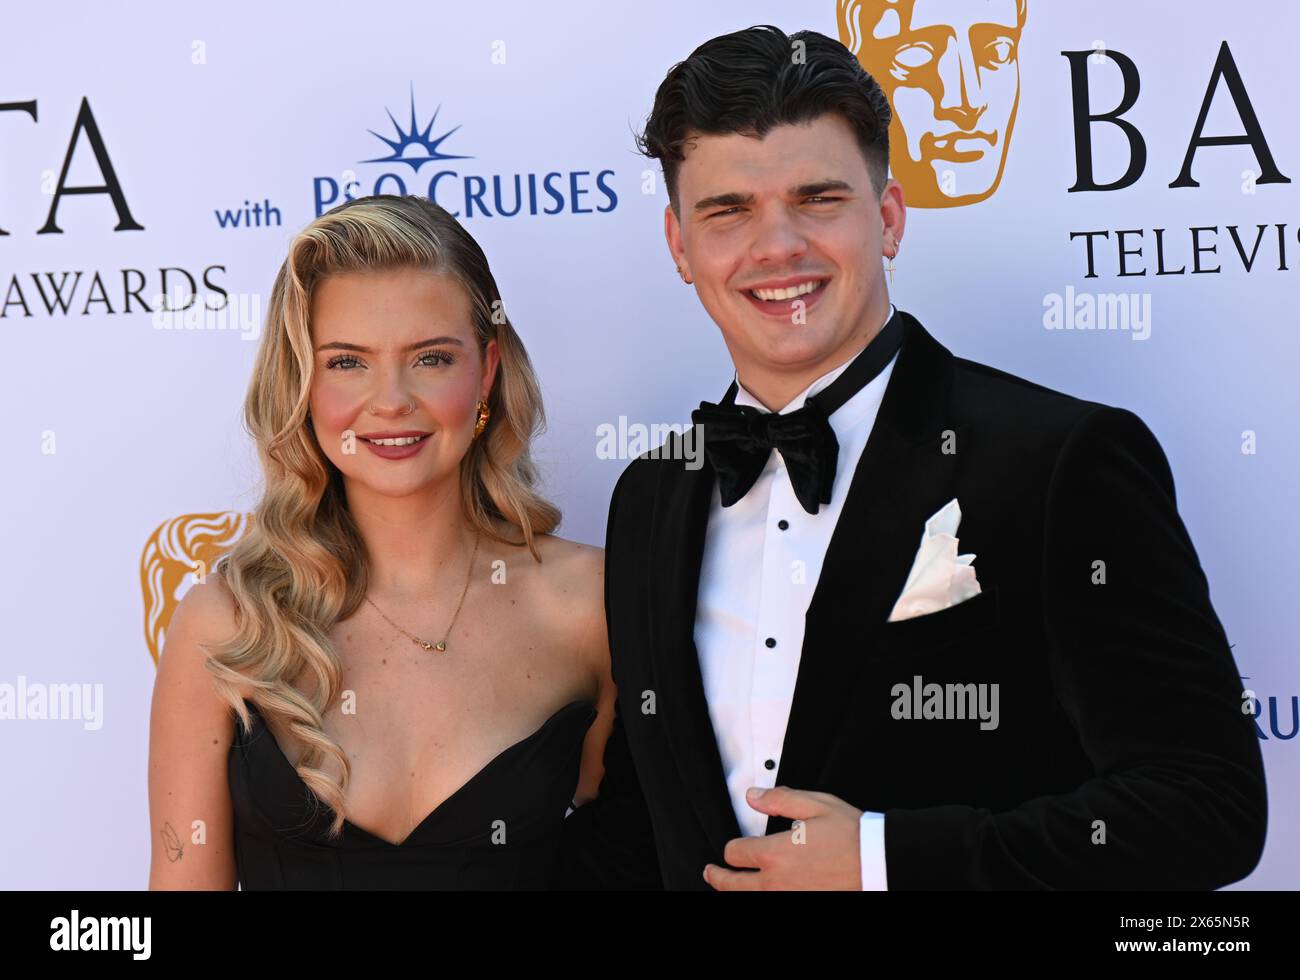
(608, 843)
(1142, 668)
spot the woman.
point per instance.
(391, 680)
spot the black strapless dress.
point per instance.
(500, 830)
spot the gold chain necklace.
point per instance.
(441, 645)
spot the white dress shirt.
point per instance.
(762, 559)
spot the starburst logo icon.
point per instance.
(413, 147)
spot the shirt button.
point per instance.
(770, 641)
(783, 524)
(769, 764)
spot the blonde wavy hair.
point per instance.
(302, 565)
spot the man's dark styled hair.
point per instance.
(752, 80)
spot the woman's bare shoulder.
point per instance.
(572, 566)
(568, 587)
(208, 612)
(206, 617)
(565, 582)
(559, 561)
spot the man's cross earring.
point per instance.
(890, 268)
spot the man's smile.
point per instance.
(779, 297)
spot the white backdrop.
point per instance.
(122, 422)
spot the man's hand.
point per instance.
(820, 852)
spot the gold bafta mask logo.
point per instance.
(182, 548)
(951, 71)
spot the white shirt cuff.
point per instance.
(871, 851)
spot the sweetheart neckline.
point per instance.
(279, 753)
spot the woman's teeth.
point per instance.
(404, 441)
(790, 292)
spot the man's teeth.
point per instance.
(404, 441)
(790, 292)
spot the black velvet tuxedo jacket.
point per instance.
(1122, 756)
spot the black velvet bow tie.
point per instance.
(739, 438)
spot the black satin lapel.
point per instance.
(903, 477)
(678, 528)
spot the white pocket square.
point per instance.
(939, 577)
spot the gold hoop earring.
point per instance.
(484, 413)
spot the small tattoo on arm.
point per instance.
(175, 850)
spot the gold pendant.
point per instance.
(441, 647)
(427, 646)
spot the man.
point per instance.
(1055, 707)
